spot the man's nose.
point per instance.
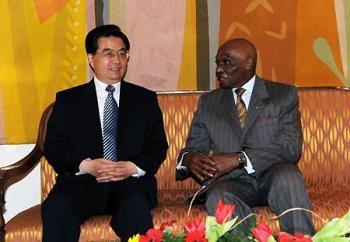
(219, 69)
(116, 58)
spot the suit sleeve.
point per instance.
(156, 145)
(58, 148)
(197, 140)
(287, 145)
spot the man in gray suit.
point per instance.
(245, 140)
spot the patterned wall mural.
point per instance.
(173, 46)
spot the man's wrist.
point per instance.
(83, 165)
(241, 158)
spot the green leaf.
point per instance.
(168, 237)
(212, 229)
(228, 225)
(335, 228)
(271, 239)
(334, 239)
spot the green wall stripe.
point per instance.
(99, 12)
(202, 45)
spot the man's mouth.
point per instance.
(114, 68)
(221, 78)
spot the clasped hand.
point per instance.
(107, 170)
(210, 166)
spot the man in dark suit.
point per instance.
(106, 141)
(245, 140)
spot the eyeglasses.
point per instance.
(122, 54)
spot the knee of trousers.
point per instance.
(214, 195)
(56, 208)
(286, 175)
(288, 184)
(133, 215)
(137, 201)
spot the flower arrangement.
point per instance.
(217, 229)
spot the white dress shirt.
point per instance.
(102, 94)
(246, 99)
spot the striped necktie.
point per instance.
(110, 125)
(240, 106)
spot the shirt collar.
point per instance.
(101, 87)
(248, 86)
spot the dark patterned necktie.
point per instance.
(110, 125)
(240, 105)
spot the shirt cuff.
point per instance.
(82, 172)
(140, 172)
(180, 166)
(249, 167)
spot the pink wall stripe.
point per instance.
(156, 32)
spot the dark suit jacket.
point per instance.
(74, 130)
(272, 133)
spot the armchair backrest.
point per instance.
(326, 128)
(325, 116)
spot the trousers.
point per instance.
(74, 199)
(281, 188)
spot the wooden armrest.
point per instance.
(15, 172)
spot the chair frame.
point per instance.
(15, 172)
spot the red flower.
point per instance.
(285, 237)
(223, 212)
(152, 235)
(195, 225)
(196, 236)
(144, 238)
(262, 232)
(166, 224)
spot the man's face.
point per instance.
(110, 62)
(232, 67)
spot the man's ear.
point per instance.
(249, 64)
(91, 60)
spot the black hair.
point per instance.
(91, 40)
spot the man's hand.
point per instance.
(93, 166)
(224, 163)
(121, 171)
(107, 170)
(200, 165)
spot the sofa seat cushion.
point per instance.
(327, 202)
(169, 196)
(19, 228)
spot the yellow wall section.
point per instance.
(188, 69)
(38, 59)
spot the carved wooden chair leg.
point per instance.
(2, 221)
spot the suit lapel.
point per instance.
(257, 103)
(91, 118)
(123, 103)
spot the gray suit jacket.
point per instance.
(271, 135)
